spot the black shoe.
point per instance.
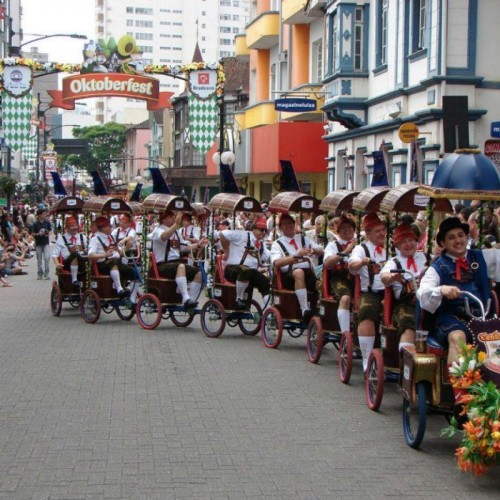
(76, 285)
(123, 294)
(307, 315)
(241, 305)
(190, 304)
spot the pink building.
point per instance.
(136, 151)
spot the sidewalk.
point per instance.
(112, 411)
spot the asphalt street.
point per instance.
(111, 411)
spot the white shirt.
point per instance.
(60, 248)
(359, 253)
(160, 246)
(98, 244)
(238, 240)
(420, 262)
(119, 234)
(190, 232)
(429, 292)
(277, 251)
(331, 249)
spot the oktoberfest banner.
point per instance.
(203, 122)
(16, 119)
(29, 147)
(110, 84)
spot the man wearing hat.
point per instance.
(287, 254)
(103, 249)
(341, 281)
(244, 253)
(189, 232)
(457, 269)
(408, 259)
(68, 250)
(124, 235)
(168, 247)
(367, 260)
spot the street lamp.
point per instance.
(16, 50)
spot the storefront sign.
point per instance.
(295, 105)
(495, 129)
(110, 84)
(408, 132)
(17, 80)
(203, 83)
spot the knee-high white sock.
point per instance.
(194, 290)
(301, 294)
(74, 273)
(133, 291)
(182, 287)
(115, 276)
(241, 286)
(344, 317)
(404, 344)
(366, 345)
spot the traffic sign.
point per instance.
(408, 132)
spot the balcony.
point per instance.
(309, 93)
(240, 47)
(263, 31)
(293, 12)
(260, 114)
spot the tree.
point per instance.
(105, 142)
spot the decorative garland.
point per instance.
(161, 69)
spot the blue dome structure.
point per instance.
(467, 172)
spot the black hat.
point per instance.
(449, 224)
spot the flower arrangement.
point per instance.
(480, 446)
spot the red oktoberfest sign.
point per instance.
(110, 84)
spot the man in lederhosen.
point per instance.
(286, 254)
(103, 249)
(341, 280)
(408, 259)
(168, 247)
(367, 260)
(70, 247)
(244, 253)
(125, 235)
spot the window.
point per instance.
(147, 12)
(272, 76)
(236, 17)
(147, 61)
(203, 38)
(177, 11)
(164, 10)
(176, 36)
(130, 10)
(358, 38)
(335, 43)
(317, 61)
(236, 30)
(236, 3)
(225, 41)
(165, 48)
(225, 53)
(382, 32)
(419, 9)
(225, 3)
(203, 13)
(144, 36)
(225, 17)
(164, 35)
(176, 24)
(225, 29)
(145, 48)
(165, 23)
(176, 48)
(144, 24)
(130, 22)
(203, 26)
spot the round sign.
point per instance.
(408, 132)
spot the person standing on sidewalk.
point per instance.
(41, 230)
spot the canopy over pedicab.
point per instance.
(408, 198)
(107, 205)
(369, 199)
(337, 201)
(294, 202)
(67, 205)
(234, 202)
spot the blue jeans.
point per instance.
(43, 257)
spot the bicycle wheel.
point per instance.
(272, 327)
(415, 417)
(90, 307)
(374, 383)
(345, 357)
(213, 318)
(55, 300)
(314, 340)
(148, 311)
(250, 323)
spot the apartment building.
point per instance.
(167, 31)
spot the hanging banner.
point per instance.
(16, 116)
(203, 83)
(203, 122)
(110, 84)
(17, 80)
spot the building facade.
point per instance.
(389, 62)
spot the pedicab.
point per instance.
(220, 309)
(424, 379)
(100, 295)
(366, 201)
(324, 329)
(384, 361)
(62, 288)
(160, 298)
(284, 311)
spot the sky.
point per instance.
(46, 17)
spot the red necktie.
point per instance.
(73, 240)
(257, 244)
(410, 263)
(378, 250)
(110, 240)
(185, 233)
(294, 245)
(459, 265)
